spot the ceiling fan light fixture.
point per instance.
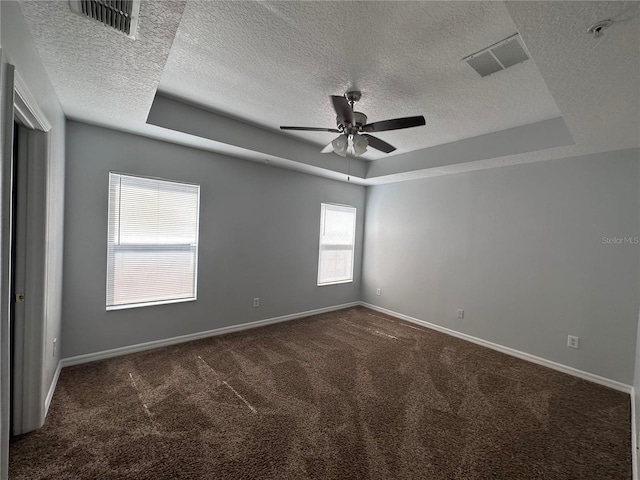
(340, 145)
(360, 145)
(355, 138)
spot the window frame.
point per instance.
(353, 246)
(197, 245)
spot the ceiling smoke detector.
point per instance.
(121, 15)
(597, 29)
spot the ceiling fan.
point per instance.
(354, 129)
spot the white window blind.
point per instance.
(337, 239)
(152, 245)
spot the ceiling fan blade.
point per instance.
(312, 129)
(375, 142)
(395, 124)
(343, 109)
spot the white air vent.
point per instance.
(121, 15)
(501, 55)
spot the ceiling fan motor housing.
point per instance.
(360, 120)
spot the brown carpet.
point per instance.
(352, 394)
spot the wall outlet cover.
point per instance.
(573, 342)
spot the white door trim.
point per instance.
(26, 108)
(6, 147)
(28, 387)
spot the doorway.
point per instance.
(18, 274)
(24, 256)
(25, 138)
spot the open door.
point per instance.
(6, 180)
(29, 278)
(28, 272)
(17, 315)
(24, 161)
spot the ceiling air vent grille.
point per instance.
(121, 15)
(501, 55)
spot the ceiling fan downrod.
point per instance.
(359, 118)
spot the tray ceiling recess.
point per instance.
(121, 15)
(504, 54)
(283, 58)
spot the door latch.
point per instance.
(19, 297)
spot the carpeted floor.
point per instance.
(352, 394)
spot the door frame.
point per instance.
(29, 404)
(17, 103)
(6, 152)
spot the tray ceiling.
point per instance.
(275, 63)
(250, 66)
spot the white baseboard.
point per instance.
(116, 352)
(634, 436)
(52, 388)
(607, 382)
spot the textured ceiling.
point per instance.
(100, 75)
(595, 81)
(275, 63)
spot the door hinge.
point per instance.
(19, 297)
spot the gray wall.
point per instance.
(520, 250)
(259, 231)
(18, 49)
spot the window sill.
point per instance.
(335, 283)
(150, 304)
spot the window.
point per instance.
(152, 245)
(337, 238)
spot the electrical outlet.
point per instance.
(256, 302)
(460, 313)
(378, 291)
(573, 342)
(55, 346)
